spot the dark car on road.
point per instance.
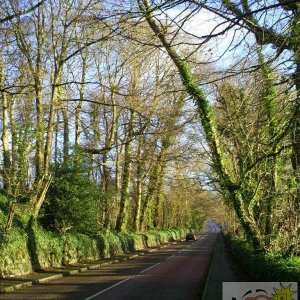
(190, 236)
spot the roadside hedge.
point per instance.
(14, 255)
(263, 266)
(24, 252)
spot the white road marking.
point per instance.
(107, 289)
(150, 268)
(170, 257)
(141, 272)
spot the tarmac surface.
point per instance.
(221, 270)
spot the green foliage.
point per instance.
(111, 243)
(115, 243)
(14, 254)
(4, 206)
(197, 220)
(51, 249)
(254, 137)
(73, 202)
(78, 247)
(163, 236)
(40, 249)
(151, 239)
(139, 240)
(263, 266)
(179, 233)
(15, 239)
(23, 215)
(48, 248)
(126, 241)
(156, 237)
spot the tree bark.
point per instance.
(66, 143)
(229, 187)
(139, 184)
(37, 75)
(5, 129)
(122, 218)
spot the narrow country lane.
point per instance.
(175, 272)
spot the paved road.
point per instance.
(176, 272)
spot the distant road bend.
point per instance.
(175, 272)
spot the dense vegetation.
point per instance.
(119, 115)
(93, 132)
(252, 127)
(260, 266)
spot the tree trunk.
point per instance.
(81, 99)
(207, 118)
(159, 203)
(14, 180)
(270, 110)
(5, 129)
(146, 220)
(139, 185)
(39, 195)
(110, 136)
(126, 178)
(11, 214)
(37, 75)
(51, 121)
(66, 143)
(296, 132)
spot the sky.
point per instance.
(204, 23)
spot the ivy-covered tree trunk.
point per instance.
(293, 44)
(296, 129)
(40, 130)
(159, 199)
(152, 204)
(271, 112)
(229, 187)
(267, 33)
(122, 218)
(140, 165)
(158, 209)
(146, 219)
(149, 201)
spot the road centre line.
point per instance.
(107, 289)
(120, 282)
(150, 268)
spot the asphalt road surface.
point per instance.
(175, 272)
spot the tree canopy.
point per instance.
(145, 114)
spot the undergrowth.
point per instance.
(263, 266)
